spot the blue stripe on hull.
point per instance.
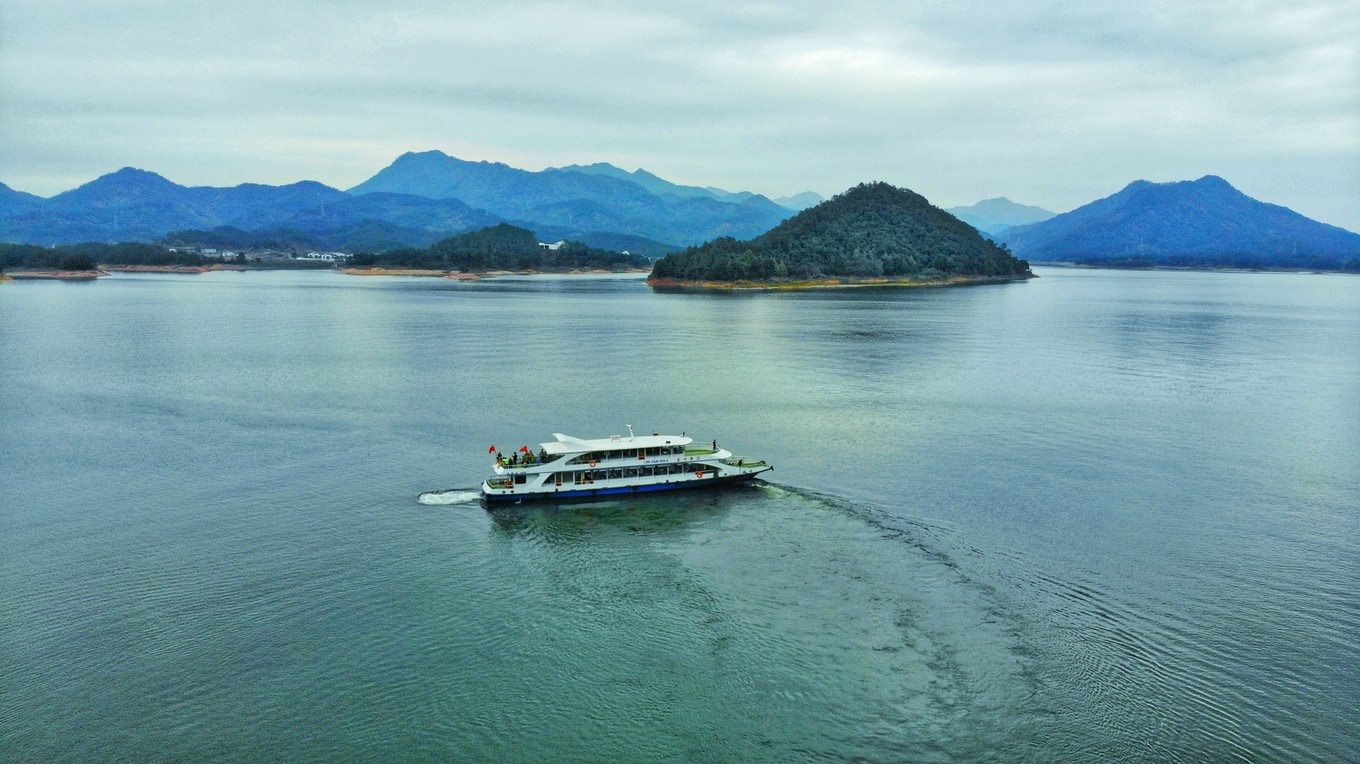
(627, 489)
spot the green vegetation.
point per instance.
(84, 257)
(500, 247)
(874, 230)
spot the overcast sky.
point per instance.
(1049, 103)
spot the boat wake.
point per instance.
(450, 496)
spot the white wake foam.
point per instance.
(450, 496)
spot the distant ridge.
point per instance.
(800, 201)
(871, 231)
(995, 216)
(1204, 222)
(639, 176)
(10, 196)
(137, 205)
(596, 199)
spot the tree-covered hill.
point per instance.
(502, 247)
(873, 230)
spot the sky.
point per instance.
(1053, 104)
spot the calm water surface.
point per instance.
(1097, 516)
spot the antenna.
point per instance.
(630, 432)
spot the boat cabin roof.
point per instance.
(566, 444)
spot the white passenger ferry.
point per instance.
(570, 468)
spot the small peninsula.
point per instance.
(873, 234)
(494, 250)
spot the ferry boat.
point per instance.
(572, 468)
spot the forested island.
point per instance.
(873, 233)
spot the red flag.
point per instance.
(491, 450)
(524, 449)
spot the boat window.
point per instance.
(520, 478)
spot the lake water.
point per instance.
(1099, 516)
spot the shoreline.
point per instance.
(1186, 268)
(832, 283)
(169, 268)
(104, 269)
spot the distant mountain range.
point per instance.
(1190, 223)
(423, 197)
(418, 199)
(995, 216)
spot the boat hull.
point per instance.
(591, 493)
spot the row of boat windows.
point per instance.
(590, 476)
(628, 453)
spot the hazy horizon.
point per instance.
(1047, 105)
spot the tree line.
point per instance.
(502, 247)
(499, 247)
(84, 257)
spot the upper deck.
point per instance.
(570, 451)
(566, 444)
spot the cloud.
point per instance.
(1049, 103)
